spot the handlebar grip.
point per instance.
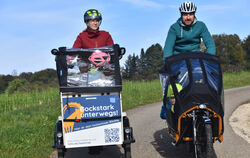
(122, 52)
(54, 52)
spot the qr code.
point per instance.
(111, 135)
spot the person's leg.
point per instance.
(163, 112)
(163, 109)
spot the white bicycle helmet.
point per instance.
(188, 7)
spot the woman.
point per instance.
(92, 37)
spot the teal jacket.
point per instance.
(182, 38)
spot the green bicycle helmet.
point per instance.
(170, 90)
(92, 14)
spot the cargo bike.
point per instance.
(91, 103)
(196, 117)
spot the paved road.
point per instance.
(152, 140)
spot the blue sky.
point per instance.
(29, 29)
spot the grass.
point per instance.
(28, 132)
(237, 79)
(140, 93)
(19, 100)
(27, 120)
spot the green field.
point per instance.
(232, 80)
(27, 120)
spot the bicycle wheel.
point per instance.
(127, 150)
(209, 141)
(60, 153)
(197, 131)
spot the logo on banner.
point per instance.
(74, 111)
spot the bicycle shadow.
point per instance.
(163, 146)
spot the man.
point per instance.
(185, 35)
(92, 37)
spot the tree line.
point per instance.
(28, 81)
(234, 55)
(145, 66)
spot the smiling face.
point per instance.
(93, 24)
(187, 18)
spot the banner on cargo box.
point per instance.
(93, 107)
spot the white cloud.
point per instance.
(145, 3)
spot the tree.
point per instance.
(230, 51)
(28, 81)
(131, 67)
(4, 80)
(26, 75)
(14, 72)
(246, 47)
(146, 66)
(142, 63)
(45, 76)
(2, 83)
(153, 61)
(15, 85)
(236, 50)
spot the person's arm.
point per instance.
(169, 43)
(78, 42)
(109, 41)
(208, 40)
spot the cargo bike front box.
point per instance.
(91, 105)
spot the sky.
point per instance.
(30, 29)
